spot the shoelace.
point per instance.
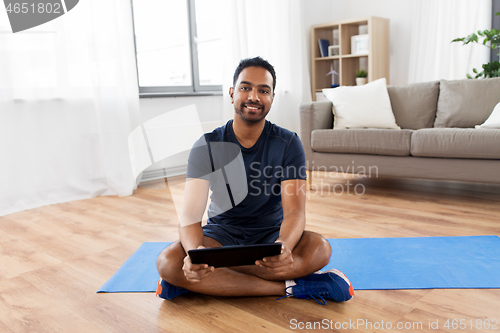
(313, 291)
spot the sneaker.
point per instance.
(168, 291)
(332, 284)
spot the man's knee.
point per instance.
(170, 261)
(319, 246)
(325, 249)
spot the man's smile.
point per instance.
(252, 108)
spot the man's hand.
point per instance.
(195, 272)
(279, 265)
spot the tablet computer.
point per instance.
(234, 255)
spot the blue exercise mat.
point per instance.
(370, 264)
(138, 273)
(418, 262)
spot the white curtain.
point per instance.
(273, 30)
(435, 24)
(68, 101)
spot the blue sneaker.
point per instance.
(168, 291)
(332, 284)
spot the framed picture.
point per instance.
(333, 50)
(359, 44)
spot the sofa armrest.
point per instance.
(313, 116)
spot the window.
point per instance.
(178, 46)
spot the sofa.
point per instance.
(437, 138)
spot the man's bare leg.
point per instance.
(222, 282)
(311, 253)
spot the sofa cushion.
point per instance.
(493, 120)
(456, 143)
(366, 106)
(362, 141)
(414, 105)
(466, 103)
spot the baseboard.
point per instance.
(163, 173)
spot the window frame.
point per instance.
(495, 24)
(195, 89)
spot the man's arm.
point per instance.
(193, 208)
(293, 200)
(190, 230)
(293, 194)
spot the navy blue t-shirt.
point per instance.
(277, 156)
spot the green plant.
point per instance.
(361, 73)
(491, 69)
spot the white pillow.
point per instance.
(493, 120)
(366, 106)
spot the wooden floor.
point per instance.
(53, 260)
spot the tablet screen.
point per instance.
(234, 255)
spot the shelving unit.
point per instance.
(375, 62)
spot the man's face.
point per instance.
(252, 94)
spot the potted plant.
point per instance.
(361, 75)
(491, 69)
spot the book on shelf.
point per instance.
(323, 47)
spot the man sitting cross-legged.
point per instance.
(272, 209)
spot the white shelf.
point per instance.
(375, 62)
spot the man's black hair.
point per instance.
(254, 62)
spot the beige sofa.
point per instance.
(437, 139)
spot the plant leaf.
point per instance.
(471, 38)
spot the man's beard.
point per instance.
(247, 116)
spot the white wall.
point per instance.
(209, 111)
(209, 107)
(399, 13)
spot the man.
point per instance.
(273, 209)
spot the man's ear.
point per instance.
(231, 93)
